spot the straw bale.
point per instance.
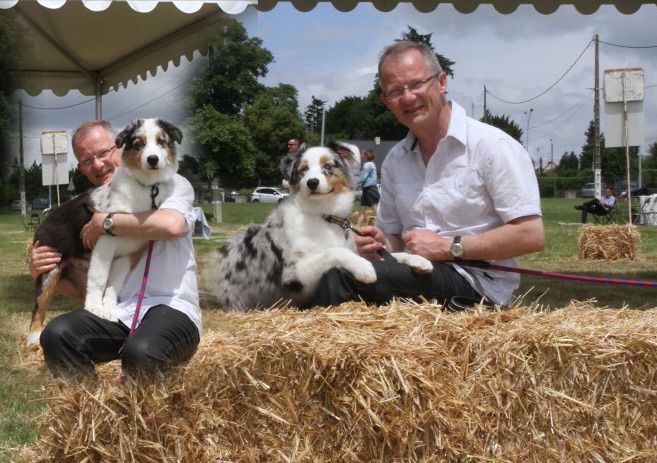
(403, 382)
(608, 242)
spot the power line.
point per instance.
(550, 87)
(59, 107)
(132, 108)
(573, 107)
(627, 46)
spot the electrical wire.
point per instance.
(573, 107)
(626, 46)
(59, 107)
(550, 87)
(132, 108)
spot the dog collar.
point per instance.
(339, 221)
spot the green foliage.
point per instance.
(649, 177)
(272, 119)
(313, 115)
(228, 150)
(555, 187)
(8, 54)
(230, 79)
(651, 160)
(414, 36)
(239, 124)
(504, 123)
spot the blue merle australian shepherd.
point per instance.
(284, 258)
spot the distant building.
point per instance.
(380, 151)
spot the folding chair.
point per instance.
(608, 218)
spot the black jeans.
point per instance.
(593, 207)
(395, 280)
(73, 342)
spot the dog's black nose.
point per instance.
(312, 183)
(152, 160)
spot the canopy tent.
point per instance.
(468, 6)
(97, 45)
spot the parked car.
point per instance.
(268, 194)
(16, 205)
(39, 204)
(588, 190)
(231, 196)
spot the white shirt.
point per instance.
(172, 274)
(479, 178)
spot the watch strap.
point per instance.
(108, 229)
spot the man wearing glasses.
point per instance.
(292, 145)
(170, 318)
(453, 189)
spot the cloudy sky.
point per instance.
(331, 54)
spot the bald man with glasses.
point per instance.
(453, 189)
(169, 328)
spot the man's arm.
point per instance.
(520, 236)
(161, 224)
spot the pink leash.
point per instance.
(142, 291)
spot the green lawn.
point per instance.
(21, 388)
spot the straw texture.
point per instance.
(608, 242)
(403, 382)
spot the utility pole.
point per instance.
(597, 164)
(485, 107)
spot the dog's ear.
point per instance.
(344, 151)
(289, 164)
(174, 132)
(127, 133)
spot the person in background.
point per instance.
(293, 145)
(168, 332)
(367, 182)
(598, 206)
(453, 189)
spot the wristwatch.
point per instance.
(456, 249)
(108, 224)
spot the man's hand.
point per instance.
(427, 243)
(368, 245)
(43, 259)
(92, 230)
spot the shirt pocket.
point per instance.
(470, 185)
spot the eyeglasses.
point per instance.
(414, 88)
(102, 156)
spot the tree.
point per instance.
(271, 120)
(8, 54)
(504, 123)
(568, 165)
(414, 36)
(651, 160)
(228, 150)
(230, 79)
(313, 114)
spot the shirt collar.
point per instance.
(457, 128)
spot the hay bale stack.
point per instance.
(608, 242)
(405, 382)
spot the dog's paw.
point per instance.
(363, 272)
(417, 263)
(32, 340)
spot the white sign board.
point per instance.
(623, 85)
(614, 125)
(624, 91)
(54, 161)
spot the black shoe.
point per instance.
(579, 208)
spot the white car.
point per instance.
(268, 194)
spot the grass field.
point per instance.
(21, 397)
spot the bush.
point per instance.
(555, 187)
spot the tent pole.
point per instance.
(99, 98)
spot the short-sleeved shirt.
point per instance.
(479, 178)
(172, 274)
(367, 175)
